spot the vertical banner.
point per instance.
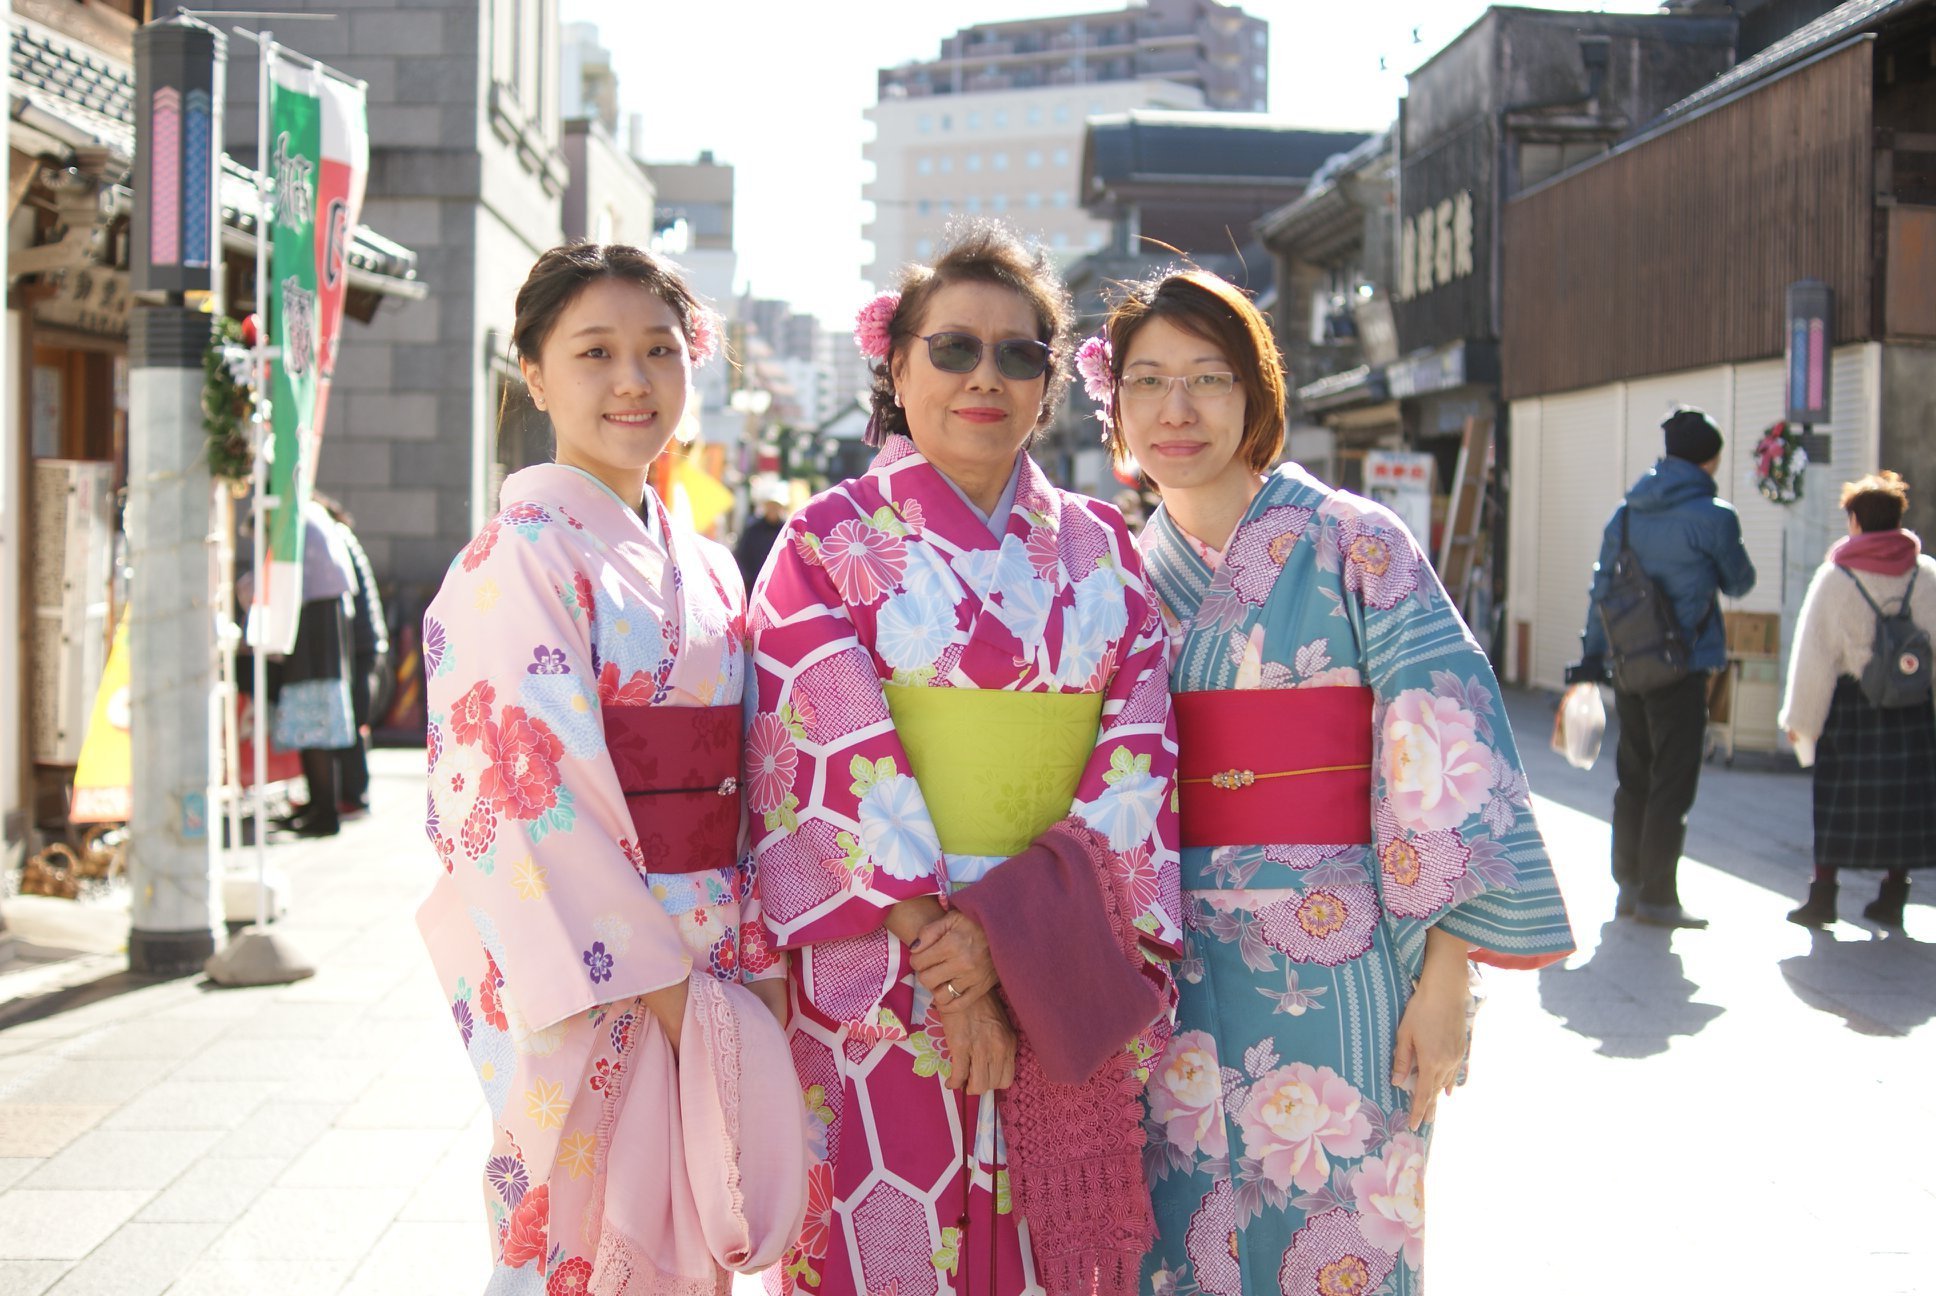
(319, 151)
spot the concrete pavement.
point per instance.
(1746, 1108)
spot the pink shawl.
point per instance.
(714, 1177)
(1061, 933)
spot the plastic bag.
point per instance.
(1579, 725)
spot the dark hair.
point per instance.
(1877, 501)
(565, 271)
(1214, 309)
(976, 252)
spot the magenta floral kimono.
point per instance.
(893, 579)
(559, 902)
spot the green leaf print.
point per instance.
(784, 817)
(950, 1253)
(916, 678)
(867, 773)
(928, 1060)
(1004, 1200)
(794, 724)
(802, 1269)
(1123, 762)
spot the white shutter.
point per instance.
(1579, 484)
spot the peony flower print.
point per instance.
(771, 763)
(524, 1232)
(1379, 560)
(1297, 1118)
(1330, 1256)
(522, 780)
(1420, 871)
(1328, 925)
(1186, 1095)
(1211, 1243)
(896, 830)
(1258, 551)
(1436, 771)
(472, 713)
(865, 562)
(1389, 1190)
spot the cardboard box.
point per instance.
(1753, 634)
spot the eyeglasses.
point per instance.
(960, 353)
(1203, 386)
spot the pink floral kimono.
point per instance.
(892, 581)
(558, 632)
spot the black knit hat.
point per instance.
(1691, 435)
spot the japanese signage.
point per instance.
(1435, 246)
(1402, 481)
(319, 160)
(1810, 334)
(176, 157)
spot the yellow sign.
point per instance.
(104, 780)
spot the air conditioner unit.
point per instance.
(73, 548)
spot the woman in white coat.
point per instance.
(1866, 725)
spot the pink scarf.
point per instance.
(1886, 553)
(1060, 929)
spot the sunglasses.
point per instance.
(960, 353)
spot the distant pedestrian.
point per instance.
(762, 528)
(1862, 717)
(1670, 551)
(314, 714)
(369, 664)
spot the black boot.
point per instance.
(1886, 908)
(1820, 909)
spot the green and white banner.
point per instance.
(319, 162)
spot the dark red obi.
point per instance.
(1275, 766)
(679, 769)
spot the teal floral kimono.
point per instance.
(1278, 1152)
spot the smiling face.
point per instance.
(1182, 442)
(614, 375)
(971, 425)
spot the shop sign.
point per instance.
(1435, 246)
(1401, 480)
(87, 299)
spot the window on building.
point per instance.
(972, 204)
(1060, 198)
(1034, 199)
(1062, 112)
(1095, 108)
(973, 162)
(924, 248)
(998, 203)
(923, 207)
(1001, 118)
(999, 162)
(1034, 158)
(1035, 115)
(947, 122)
(947, 165)
(924, 165)
(1095, 239)
(974, 121)
(924, 123)
(1062, 157)
(1060, 240)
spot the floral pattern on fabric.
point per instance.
(891, 579)
(543, 926)
(1278, 1152)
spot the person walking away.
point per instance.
(369, 664)
(1682, 547)
(1858, 707)
(761, 530)
(314, 716)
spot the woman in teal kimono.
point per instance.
(1355, 822)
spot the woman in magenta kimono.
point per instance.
(592, 923)
(955, 660)
(1355, 826)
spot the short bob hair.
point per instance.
(1876, 502)
(976, 252)
(1216, 310)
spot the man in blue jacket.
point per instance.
(1689, 542)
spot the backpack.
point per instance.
(1898, 671)
(1649, 651)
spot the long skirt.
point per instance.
(313, 709)
(1875, 784)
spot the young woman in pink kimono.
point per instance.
(954, 660)
(593, 925)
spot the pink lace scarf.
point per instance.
(1075, 1151)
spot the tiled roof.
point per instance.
(94, 94)
(1176, 145)
(1836, 25)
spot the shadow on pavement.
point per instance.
(1632, 995)
(1887, 974)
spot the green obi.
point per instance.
(996, 767)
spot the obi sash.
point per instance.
(1275, 766)
(679, 769)
(996, 767)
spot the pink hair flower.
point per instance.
(873, 325)
(704, 342)
(1096, 363)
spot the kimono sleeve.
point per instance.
(840, 830)
(1127, 792)
(1452, 817)
(525, 809)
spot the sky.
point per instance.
(778, 88)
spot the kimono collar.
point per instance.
(548, 479)
(1026, 484)
(996, 520)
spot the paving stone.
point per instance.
(288, 1223)
(413, 1103)
(347, 1158)
(298, 1021)
(148, 1040)
(231, 1275)
(420, 1256)
(194, 1104)
(138, 1260)
(30, 1277)
(14, 1169)
(104, 1158)
(42, 1129)
(279, 1129)
(63, 1223)
(88, 1080)
(216, 1189)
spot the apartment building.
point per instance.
(994, 125)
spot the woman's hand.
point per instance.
(1432, 1034)
(773, 993)
(951, 958)
(981, 1045)
(668, 1007)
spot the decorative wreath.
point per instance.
(1780, 463)
(228, 402)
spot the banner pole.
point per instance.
(264, 223)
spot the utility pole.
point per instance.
(171, 628)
